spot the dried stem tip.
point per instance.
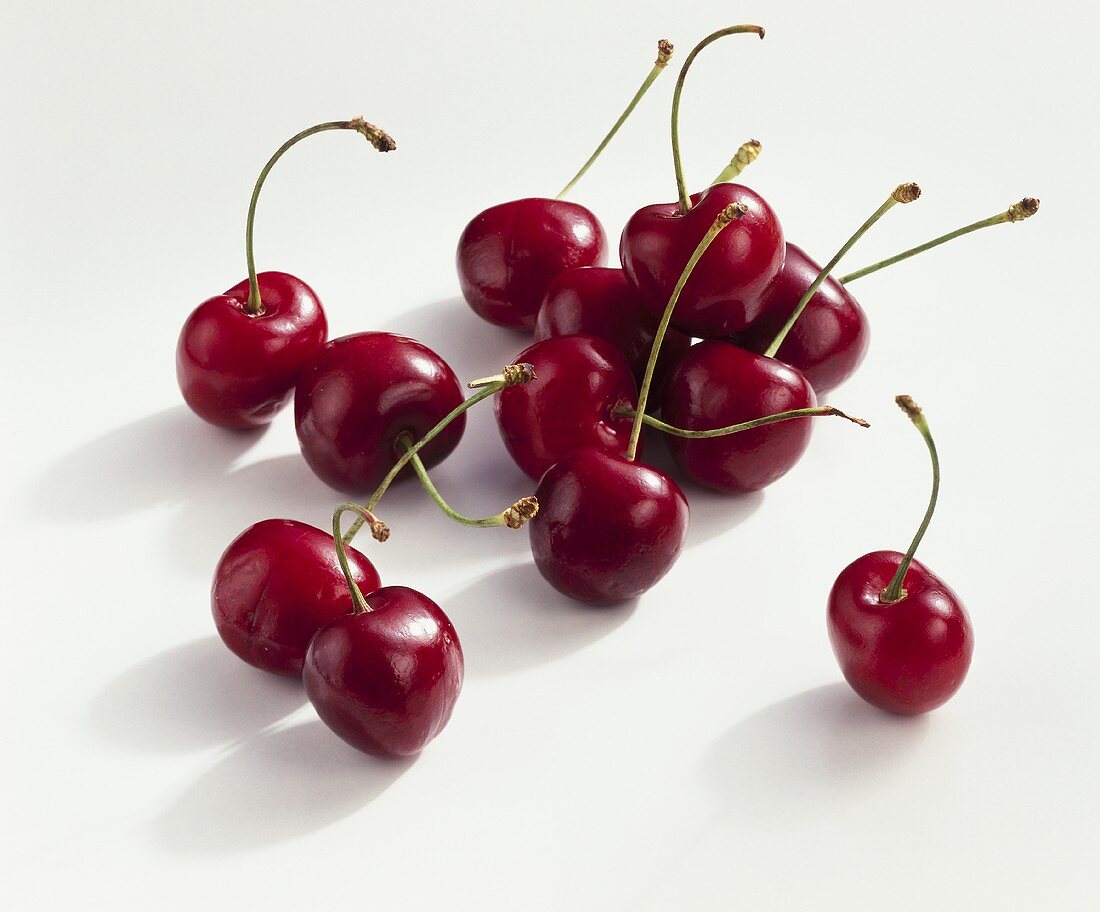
(907, 405)
(906, 193)
(731, 213)
(377, 137)
(518, 374)
(1026, 208)
(839, 414)
(522, 510)
(664, 53)
(379, 530)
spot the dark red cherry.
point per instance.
(276, 585)
(509, 254)
(725, 291)
(237, 370)
(718, 384)
(607, 529)
(829, 339)
(386, 680)
(908, 656)
(570, 404)
(364, 391)
(601, 302)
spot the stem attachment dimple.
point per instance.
(744, 157)
(894, 591)
(819, 411)
(731, 213)
(381, 532)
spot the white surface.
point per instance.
(697, 750)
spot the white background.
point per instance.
(697, 749)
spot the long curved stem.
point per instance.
(905, 193)
(359, 602)
(681, 187)
(1017, 212)
(744, 157)
(731, 213)
(820, 411)
(381, 140)
(664, 53)
(894, 591)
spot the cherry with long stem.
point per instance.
(664, 54)
(744, 157)
(378, 138)
(681, 186)
(1017, 212)
(381, 533)
(904, 193)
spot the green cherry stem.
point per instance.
(820, 411)
(894, 591)
(1017, 212)
(685, 201)
(380, 139)
(512, 375)
(731, 213)
(904, 193)
(664, 54)
(381, 532)
(745, 156)
(514, 517)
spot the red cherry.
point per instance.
(601, 302)
(725, 292)
(830, 338)
(718, 384)
(360, 394)
(386, 680)
(570, 404)
(906, 657)
(275, 586)
(607, 528)
(235, 369)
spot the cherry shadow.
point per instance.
(512, 619)
(273, 787)
(191, 697)
(160, 458)
(810, 755)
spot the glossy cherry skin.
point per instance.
(601, 302)
(907, 657)
(828, 341)
(717, 384)
(508, 255)
(725, 291)
(236, 370)
(276, 585)
(386, 680)
(360, 394)
(607, 529)
(578, 382)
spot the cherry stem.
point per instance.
(1017, 212)
(512, 375)
(664, 54)
(894, 592)
(685, 201)
(745, 156)
(731, 213)
(514, 517)
(381, 532)
(904, 193)
(820, 411)
(380, 139)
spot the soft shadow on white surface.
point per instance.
(809, 755)
(272, 787)
(156, 459)
(512, 619)
(191, 697)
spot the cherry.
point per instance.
(360, 394)
(508, 254)
(275, 586)
(240, 353)
(601, 302)
(579, 380)
(385, 677)
(901, 634)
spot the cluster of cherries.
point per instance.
(383, 665)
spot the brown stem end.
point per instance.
(731, 213)
(1026, 208)
(907, 193)
(518, 374)
(664, 53)
(376, 136)
(907, 405)
(379, 530)
(861, 422)
(522, 510)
